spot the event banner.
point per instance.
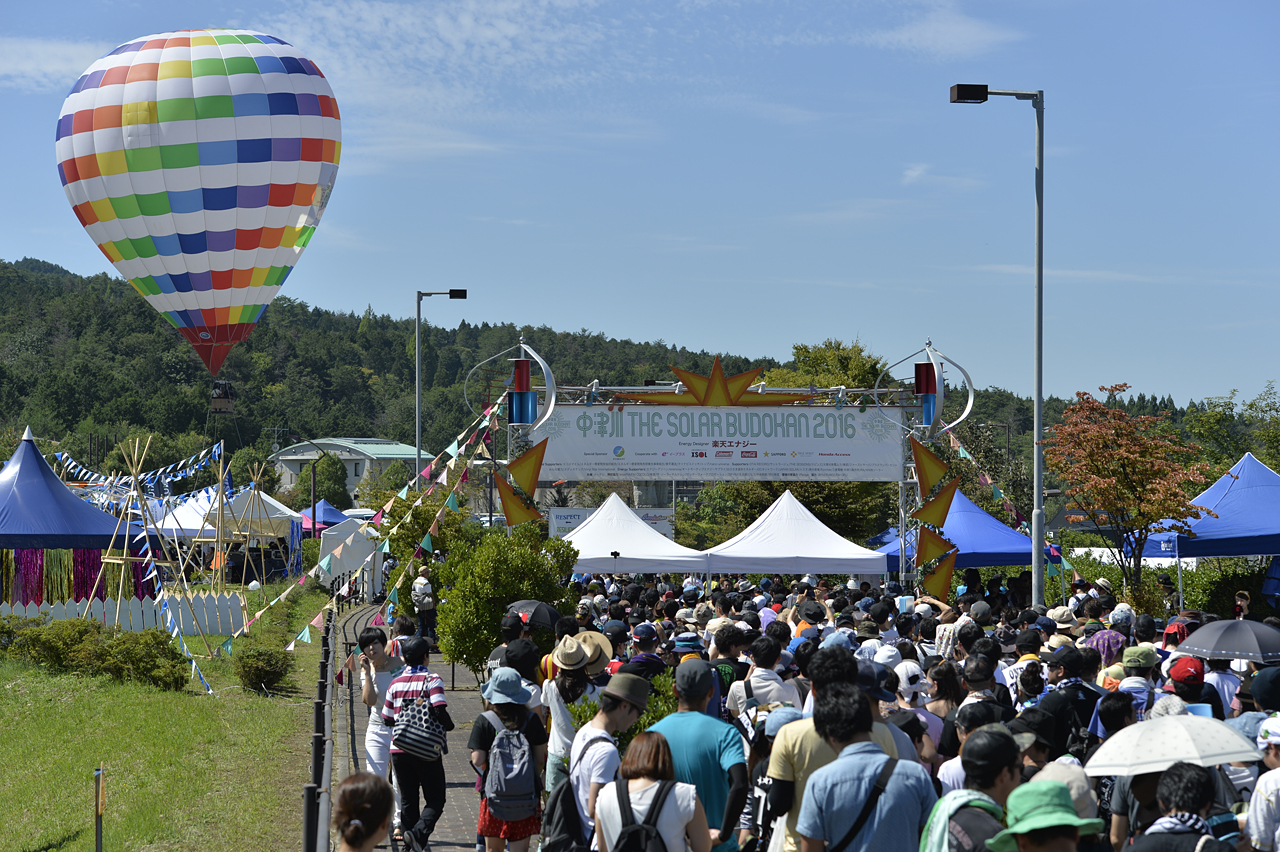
(786, 442)
(561, 522)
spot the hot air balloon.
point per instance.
(200, 163)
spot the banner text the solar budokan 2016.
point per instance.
(644, 442)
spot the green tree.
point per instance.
(331, 485)
(827, 365)
(484, 578)
(246, 460)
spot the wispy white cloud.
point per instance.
(41, 64)
(918, 173)
(854, 210)
(943, 32)
(1077, 274)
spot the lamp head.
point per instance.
(969, 93)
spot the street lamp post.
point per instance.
(319, 453)
(976, 94)
(417, 375)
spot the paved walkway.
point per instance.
(456, 829)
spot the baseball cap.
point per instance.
(1269, 731)
(1047, 624)
(980, 611)
(880, 612)
(779, 717)
(1121, 615)
(615, 630)
(1139, 657)
(684, 615)
(511, 622)
(888, 656)
(911, 679)
(1265, 688)
(693, 677)
(644, 631)
(871, 678)
(989, 744)
(703, 613)
(1068, 656)
(846, 619)
(1027, 616)
(687, 642)
(978, 669)
(837, 639)
(1028, 642)
(976, 714)
(1186, 670)
(1039, 723)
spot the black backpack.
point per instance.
(644, 836)
(561, 826)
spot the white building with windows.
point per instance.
(361, 456)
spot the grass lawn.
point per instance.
(183, 770)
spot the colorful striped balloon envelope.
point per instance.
(200, 163)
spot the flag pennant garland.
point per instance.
(304, 635)
(524, 470)
(434, 529)
(403, 493)
(378, 620)
(931, 546)
(376, 520)
(929, 468)
(938, 583)
(425, 544)
(934, 513)
(513, 507)
(289, 647)
(226, 647)
(318, 621)
(452, 503)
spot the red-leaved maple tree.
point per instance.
(1132, 474)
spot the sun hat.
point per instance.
(888, 656)
(703, 613)
(813, 612)
(1063, 618)
(716, 624)
(570, 654)
(599, 650)
(1104, 584)
(779, 717)
(1082, 794)
(1039, 804)
(1060, 640)
(505, 687)
(630, 688)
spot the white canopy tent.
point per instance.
(788, 539)
(347, 545)
(614, 527)
(255, 514)
(188, 519)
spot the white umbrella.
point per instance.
(1156, 745)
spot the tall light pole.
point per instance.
(976, 94)
(417, 375)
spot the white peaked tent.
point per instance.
(255, 514)
(347, 546)
(187, 520)
(788, 539)
(614, 527)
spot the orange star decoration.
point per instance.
(717, 389)
(513, 507)
(938, 583)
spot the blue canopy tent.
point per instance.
(1247, 503)
(38, 511)
(326, 516)
(981, 539)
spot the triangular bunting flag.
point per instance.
(930, 546)
(318, 621)
(938, 583)
(934, 513)
(376, 520)
(462, 480)
(425, 544)
(324, 563)
(929, 468)
(434, 529)
(387, 506)
(996, 493)
(385, 547)
(304, 635)
(302, 580)
(289, 647)
(426, 471)
(394, 597)
(337, 678)
(403, 493)
(452, 449)
(513, 507)
(524, 470)
(378, 620)
(226, 647)
(444, 477)
(417, 552)
(452, 503)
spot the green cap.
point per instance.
(1140, 657)
(1036, 805)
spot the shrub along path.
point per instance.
(184, 770)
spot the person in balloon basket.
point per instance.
(414, 775)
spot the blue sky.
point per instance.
(741, 176)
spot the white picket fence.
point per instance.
(217, 615)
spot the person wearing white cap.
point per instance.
(1263, 826)
(913, 693)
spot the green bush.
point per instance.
(147, 657)
(260, 667)
(11, 626)
(70, 645)
(310, 553)
(662, 703)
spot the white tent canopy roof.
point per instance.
(187, 520)
(640, 547)
(255, 514)
(788, 539)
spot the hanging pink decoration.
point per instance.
(140, 571)
(29, 575)
(86, 564)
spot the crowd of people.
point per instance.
(819, 716)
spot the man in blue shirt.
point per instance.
(708, 753)
(835, 794)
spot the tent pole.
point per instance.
(136, 490)
(102, 567)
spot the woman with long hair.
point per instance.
(945, 688)
(648, 774)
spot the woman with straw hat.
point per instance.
(577, 663)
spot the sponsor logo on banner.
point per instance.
(748, 454)
(561, 521)
(724, 454)
(619, 452)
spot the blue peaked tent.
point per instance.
(982, 540)
(1247, 503)
(38, 511)
(326, 515)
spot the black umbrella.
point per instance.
(1234, 640)
(540, 614)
